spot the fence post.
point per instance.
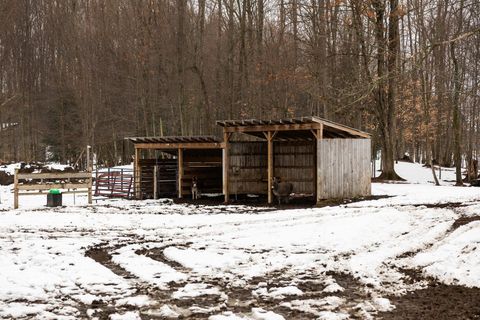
(155, 172)
(15, 190)
(90, 190)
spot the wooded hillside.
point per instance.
(78, 72)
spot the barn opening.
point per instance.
(165, 166)
(322, 159)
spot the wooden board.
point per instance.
(343, 168)
(56, 175)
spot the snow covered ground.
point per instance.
(155, 259)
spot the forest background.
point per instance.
(91, 72)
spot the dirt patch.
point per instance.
(338, 202)
(101, 255)
(446, 205)
(158, 255)
(261, 202)
(5, 178)
(463, 221)
(436, 302)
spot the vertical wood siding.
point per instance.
(248, 167)
(293, 162)
(343, 168)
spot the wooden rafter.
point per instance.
(183, 145)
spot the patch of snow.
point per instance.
(417, 173)
(192, 290)
(135, 301)
(86, 298)
(206, 260)
(455, 259)
(278, 292)
(168, 312)
(262, 314)
(383, 304)
(329, 315)
(20, 310)
(332, 286)
(228, 315)
(129, 315)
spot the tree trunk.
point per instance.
(457, 129)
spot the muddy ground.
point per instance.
(436, 302)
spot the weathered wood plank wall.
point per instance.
(248, 167)
(293, 162)
(343, 168)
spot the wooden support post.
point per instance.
(226, 165)
(15, 190)
(155, 185)
(180, 172)
(90, 182)
(89, 170)
(270, 165)
(318, 136)
(89, 163)
(136, 175)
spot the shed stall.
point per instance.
(165, 166)
(319, 157)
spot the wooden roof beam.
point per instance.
(274, 127)
(183, 145)
(349, 130)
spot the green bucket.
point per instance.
(54, 191)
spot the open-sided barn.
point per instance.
(165, 166)
(318, 157)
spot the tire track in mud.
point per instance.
(102, 254)
(435, 300)
(240, 298)
(459, 222)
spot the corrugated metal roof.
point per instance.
(331, 128)
(258, 122)
(174, 139)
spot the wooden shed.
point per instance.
(165, 166)
(319, 157)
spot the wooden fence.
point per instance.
(73, 182)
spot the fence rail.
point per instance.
(79, 182)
